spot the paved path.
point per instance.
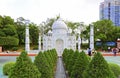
(60, 71)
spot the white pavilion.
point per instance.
(59, 38)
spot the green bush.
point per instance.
(89, 58)
(35, 48)
(46, 63)
(9, 41)
(98, 68)
(84, 45)
(80, 65)
(43, 65)
(15, 48)
(115, 68)
(69, 57)
(7, 67)
(24, 68)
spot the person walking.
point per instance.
(114, 51)
(89, 51)
(109, 50)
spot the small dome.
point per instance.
(49, 32)
(59, 24)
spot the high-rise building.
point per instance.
(110, 9)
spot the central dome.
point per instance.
(59, 24)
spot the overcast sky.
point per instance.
(86, 11)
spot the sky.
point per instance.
(37, 11)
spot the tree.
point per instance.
(8, 32)
(7, 20)
(80, 65)
(45, 26)
(34, 33)
(20, 26)
(72, 25)
(9, 41)
(103, 29)
(98, 68)
(24, 68)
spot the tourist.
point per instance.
(118, 49)
(89, 51)
(109, 50)
(114, 51)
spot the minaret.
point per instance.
(91, 36)
(27, 42)
(39, 42)
(79, 43)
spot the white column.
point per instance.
(79, 43)
(91, 37)
(27, 42)
(43, 41)
(39, 42)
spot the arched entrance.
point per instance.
(59, 46)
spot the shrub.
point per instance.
(69, 58)
(9, 41)
(84, 45)
(24, 68)
(7, 67)
(98, 68)
(43, 66)
(89, 58)
(14, 48)
(69, 63)
(115, 68)
(35, 48)
(80, 65)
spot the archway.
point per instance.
(59, 46)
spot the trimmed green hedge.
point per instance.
(15, 48)
(98, 68)
(46, 63)
(75, 62)
(115, 68)
(9, 41)
(7, 67)
(24, 68)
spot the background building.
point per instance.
(110, 9)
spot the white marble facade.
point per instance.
(59, 38)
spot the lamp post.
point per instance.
(91, 36)
(27, 41)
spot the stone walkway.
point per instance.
(60, 71)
